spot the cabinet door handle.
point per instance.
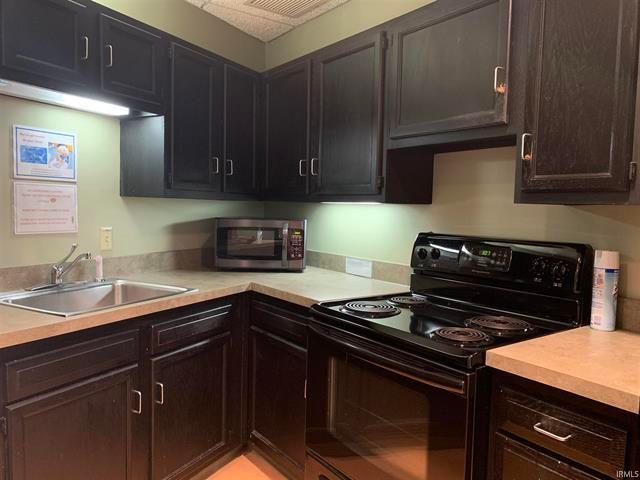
(538, 428)
(230, 163)
(215, 171)
(138, 409)
(523, 142)
(85, 41)
(498, 87)
(160, 386)
(109, 56)
(300, 171)
(314, 172)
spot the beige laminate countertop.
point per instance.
(314, 285)
(602, 366)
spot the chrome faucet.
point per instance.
(60, 269)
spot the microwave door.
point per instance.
(262, 244)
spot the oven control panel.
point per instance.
(545, 266)
(295, 250)
(485, 257)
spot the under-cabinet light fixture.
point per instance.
(39, 94)
(351, 203)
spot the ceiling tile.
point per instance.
(266, 19)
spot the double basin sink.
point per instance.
(78, 298)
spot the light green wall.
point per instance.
(139, 225)
(473, 195)
(192, 24)
(353, 17)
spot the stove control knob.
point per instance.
(435, 253)
(422, 253)
(539, 267)
(560, 270)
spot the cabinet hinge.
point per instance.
(3, 425)
(170, 52)
(170, 178)
(633, 170)
(380, 182)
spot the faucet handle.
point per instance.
(73, 249)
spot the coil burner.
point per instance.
(371, 310)
(462, 337)
(500, 326)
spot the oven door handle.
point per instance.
(441, 380)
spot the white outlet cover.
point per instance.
(359, 267)
(106, 238)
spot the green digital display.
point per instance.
(485, 253)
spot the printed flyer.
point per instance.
(41, 207)
(44, 155)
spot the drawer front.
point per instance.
(35, 374)
(189, 328)
(583, 439)
(279, 321)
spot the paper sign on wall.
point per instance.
(45, 208)
(44, 154)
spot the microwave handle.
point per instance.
(285, 244)
(441, 380)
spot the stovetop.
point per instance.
(430, 326)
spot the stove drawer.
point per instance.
(575, 436)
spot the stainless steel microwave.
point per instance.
(260, 244)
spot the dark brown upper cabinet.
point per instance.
(240, 126)
(287, 97)
(449, 68)
(346, 145)
(132, 61)
(54, 40)
(196, 133)
(579, 107)
(190, 402)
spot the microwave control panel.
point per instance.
(295, 249)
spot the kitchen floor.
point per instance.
(250, 466)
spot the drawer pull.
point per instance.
(538, 428)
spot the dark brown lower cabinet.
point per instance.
(277, 377)
(539, 432)
(515, 461)
(88, 430)
(190, 406)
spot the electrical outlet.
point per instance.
(106, 238)
(357, 266)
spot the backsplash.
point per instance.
(16, 278)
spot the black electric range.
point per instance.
(471, 294)
(396, 385)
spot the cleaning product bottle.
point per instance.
(604, 297)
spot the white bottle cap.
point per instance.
(607, 259)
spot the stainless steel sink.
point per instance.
(75, 299)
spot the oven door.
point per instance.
(250, 244)
(377, 413)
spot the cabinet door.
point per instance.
(189, 412)
(51, 38)
(197, 102)
(347, 116)
(240, 130)
(449, 68)
(86, 430)
(278, 378)
(132, 60)
(579, 100)
(287, 130)
(515, 461)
